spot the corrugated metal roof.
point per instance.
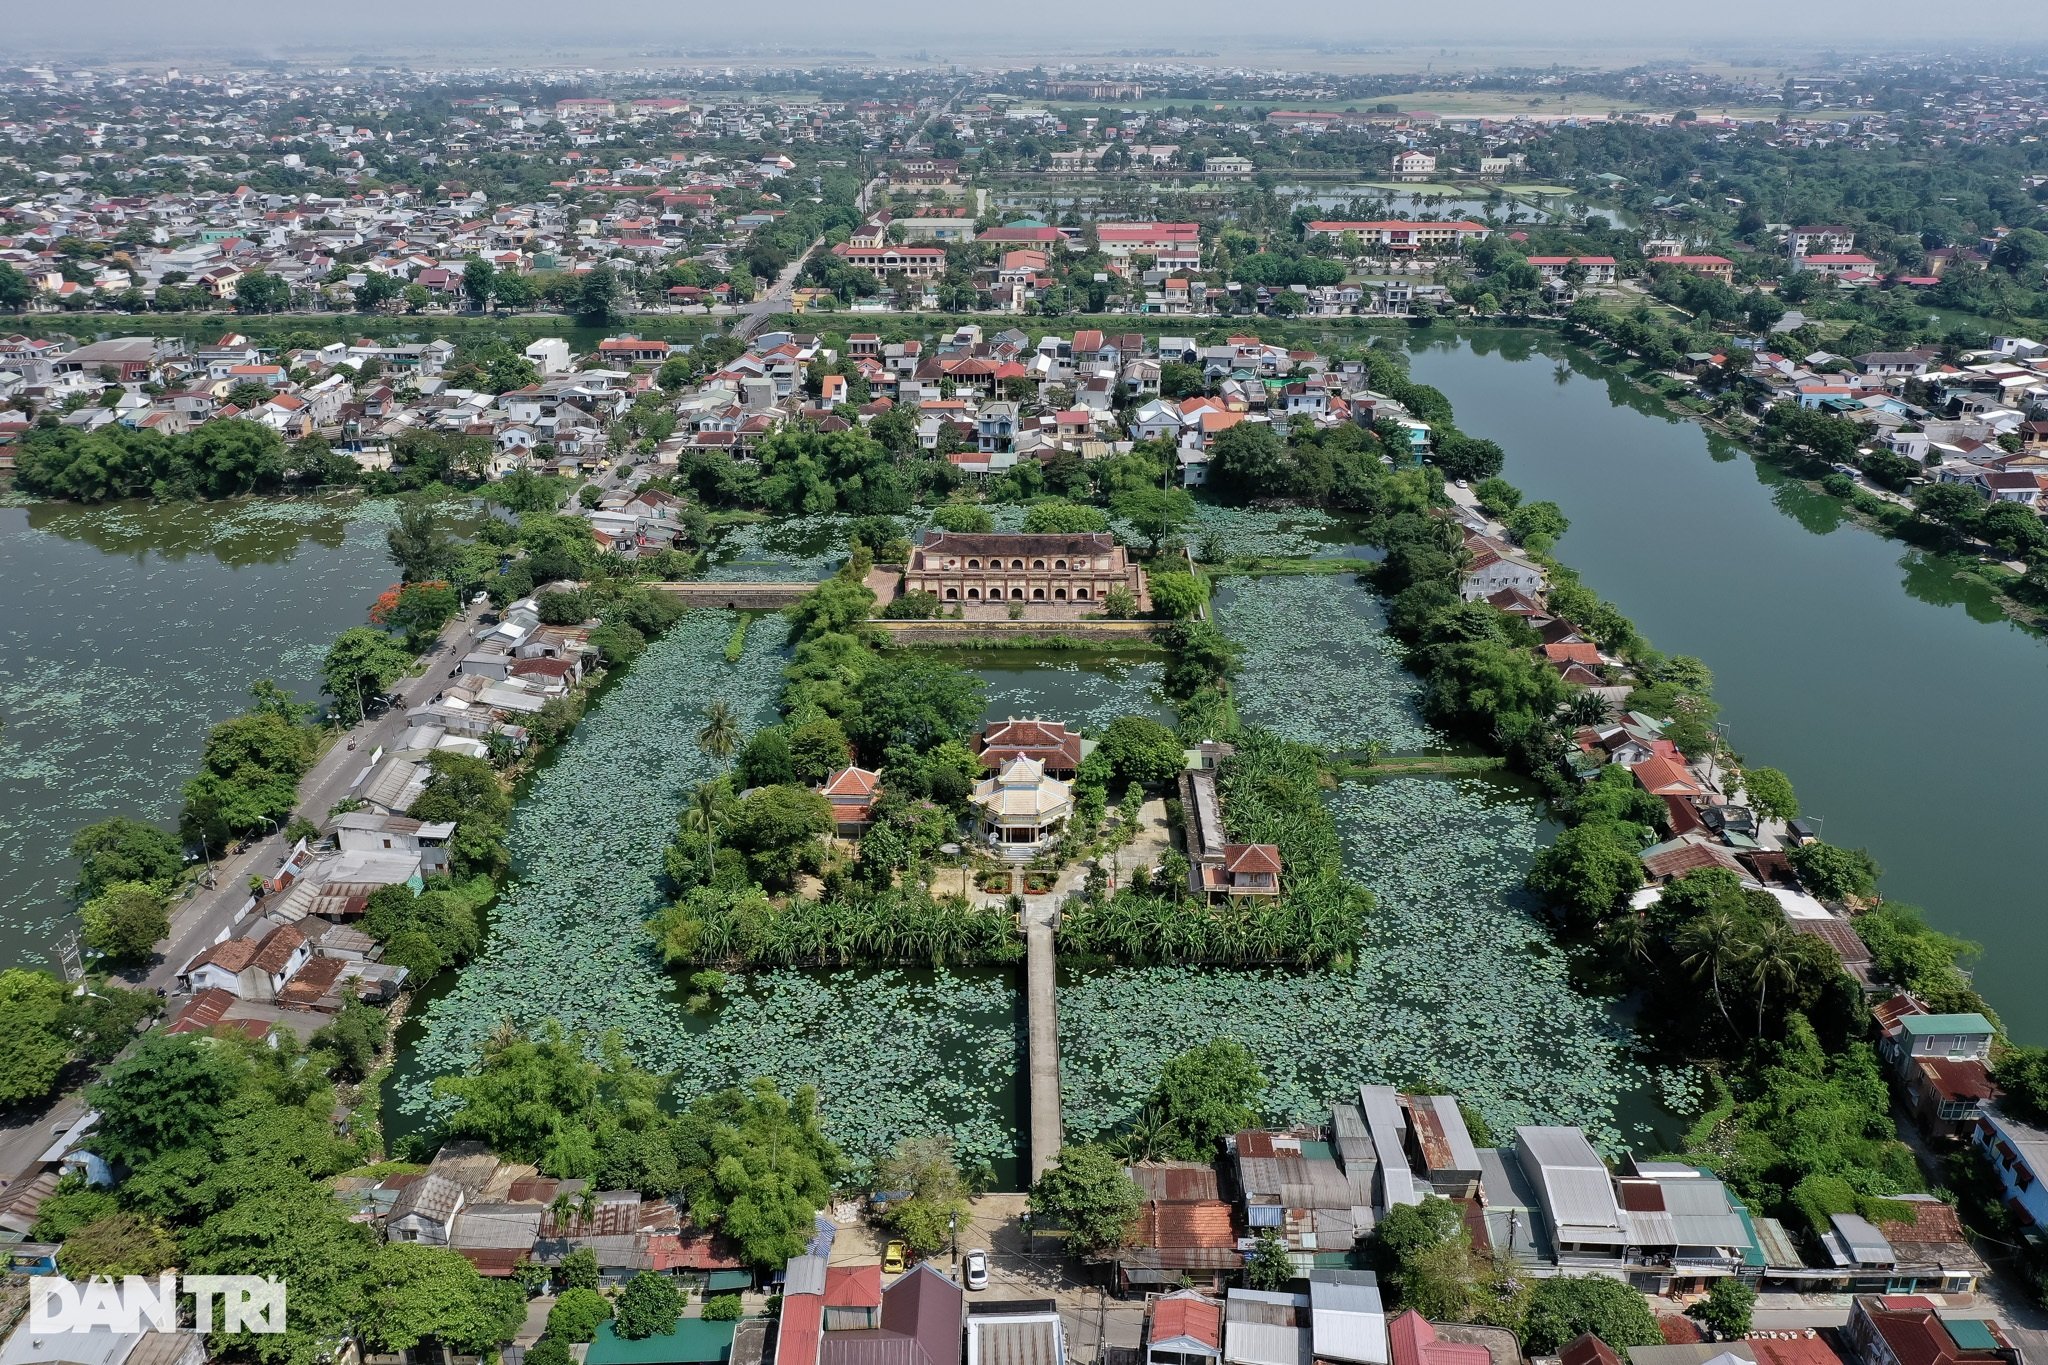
(1578, 1195)
(1013, 1341)
(1382, 1106)
(1464, 1157)
(1257, 1343)
(806, 1275)
(1347, 1321)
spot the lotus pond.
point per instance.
(1457, 987)
(1318, 664)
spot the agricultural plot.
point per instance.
(1318, 665)
(1457, 987)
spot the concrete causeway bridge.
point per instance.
(736, 596)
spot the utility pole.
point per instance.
(68, 959)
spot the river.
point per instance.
(1896, 697)
(130, 629)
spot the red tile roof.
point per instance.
(1252, 858)
(1196, 1224)
(203, 1011)
(1787, 1349)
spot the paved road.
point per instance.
(212, 913)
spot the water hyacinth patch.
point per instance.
(1457, 987)
(1292, 533)
(893, 1054)
(786, 549)
(568, 940)
(1318, 664)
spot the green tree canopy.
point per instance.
(1088, 1193)
(1205, 1095)
(119, 849)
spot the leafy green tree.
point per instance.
(420, 610)
(479, 279)
(1205, 1095)
(780, 831)
(2022, 1073)
(817, 749)
(421, 1293)
(1176, 595)
(1178, 379)
(297, 1232)
(1835, 873)
(71, 1206)
(248, 777)
(1141, 750)
(534, 1099)
(1727, 1308)
(578, 1270)
(164, 1096)
(351, 1041)
(1537, 524)
(1088, 1193)
(936, 1194)
(963, 516)
(362, 663)
(757, 1167)
(577, 1314)
(36, 1052)
(420, 544)
(912, 700)
(126, 921)
(14, 289)
(1588, 870)
(1057, 517)
(649, 1307)
(1269, 1267)
(1247, 460)
(119, 849)
(1565, 1307)
(1770, 793)
(259, 291)
(1155, 513)
(724, 1308)
(1497, 495)
(117, 1244)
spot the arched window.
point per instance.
(1016, 563)
(1059, 563)
(1038, 594)
(973, 563)
(1059, 594)
(952, 594)
(1017, 593)
(974, 594)
(1081, 594)
(1037, 563)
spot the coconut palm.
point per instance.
(703, 817)
(1775, 957)
(720, 737)
(1712, 946)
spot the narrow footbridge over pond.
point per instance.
(736, 596)
(1041, 1004)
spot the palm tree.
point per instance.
(1774, 959)
(1713, 945)
(1588, 708)
(704, 817)
(720, 736)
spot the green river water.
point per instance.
(1897, 697)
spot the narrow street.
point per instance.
(213, 915)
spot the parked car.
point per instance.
(895, 1258)
(974, 1268)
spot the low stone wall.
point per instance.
(971, 634)
(737, 596)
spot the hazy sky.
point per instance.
(540, 32)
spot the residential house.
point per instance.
(1183, 1327)
(1900, 1329)
(1015, 1332)
(851, 792)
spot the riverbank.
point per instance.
(1826, 642)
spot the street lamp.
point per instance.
(953, 1227)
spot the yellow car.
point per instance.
(895, 1258)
